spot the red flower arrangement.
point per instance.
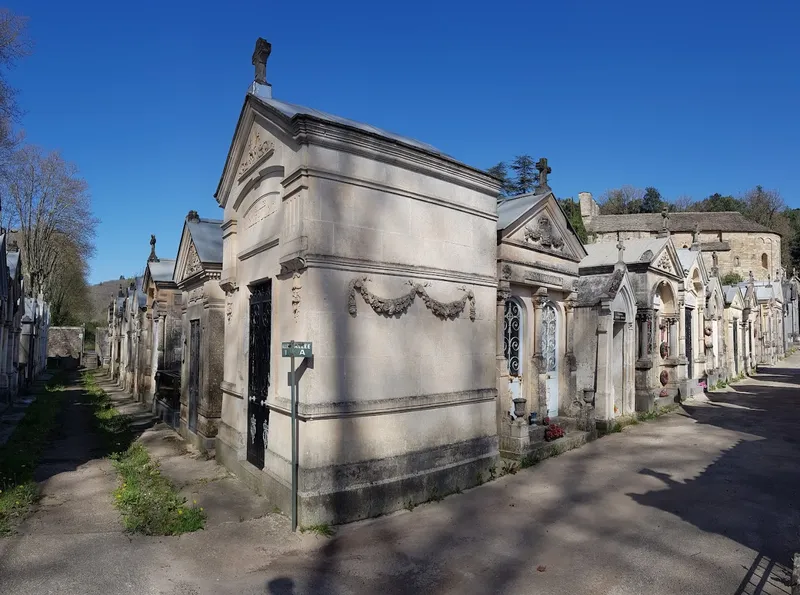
(553, 432)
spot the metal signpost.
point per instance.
(293, 349)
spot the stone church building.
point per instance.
(742, 246)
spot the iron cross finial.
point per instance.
(152, 257)
(260, 55)
(544, 170)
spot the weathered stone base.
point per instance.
(199, 439)
(689, 388)
(347, 493)
(544, 450)
(167, 414)
(575, 429)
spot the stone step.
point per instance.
(572, 440)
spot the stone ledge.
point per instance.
(312, 411)
(371, 500)
(544, 450)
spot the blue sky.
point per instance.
(692, 98)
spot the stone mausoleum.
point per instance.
(380, 250)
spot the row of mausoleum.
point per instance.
(446, 325)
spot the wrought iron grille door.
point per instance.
(194, 373)
(259, 364)
(511, 341)
(736, 346)
(549, 336)
(689, 332)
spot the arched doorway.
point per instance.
(550, 356)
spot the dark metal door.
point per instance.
(736, 346)
(194, 373)
(259, 364)
(689, 331)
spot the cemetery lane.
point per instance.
(701, 500)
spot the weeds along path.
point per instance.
(76, 482)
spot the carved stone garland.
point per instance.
(296, 286)
(399, 305)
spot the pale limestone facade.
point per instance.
(197, 272)
(537, 266)
(605, 322)
(163, 325)
(380, 251)
(735, 332)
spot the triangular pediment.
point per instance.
(666, 261)
(544, 227)
(738, 300)
(259, 139)
(188, 264)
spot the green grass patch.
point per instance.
(20, 455)
(324, 529)
(112, 427)
(149, 503)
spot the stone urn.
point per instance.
(519, 406)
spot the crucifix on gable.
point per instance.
(260, 55)
(544, 170)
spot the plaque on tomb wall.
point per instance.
(262, 207)
(537, 277)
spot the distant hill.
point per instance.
(100, 296)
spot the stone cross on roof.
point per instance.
(260, 55)
(152, 257)
(696, 234)
(621, 249)
(544, 170)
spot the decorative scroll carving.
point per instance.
(543, 234)
(193, 264)
(256, 149)
(399, 305)
(665, 263)
(296, 286)
(506, 271)
(228, 306)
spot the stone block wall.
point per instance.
(65, 342)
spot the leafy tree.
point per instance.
(717, 202)
(652, 202)
(500, 171)
(621, 201)
(572, 209)
(731, 278)
(525, 174)
(46, 201)
(14, 45)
